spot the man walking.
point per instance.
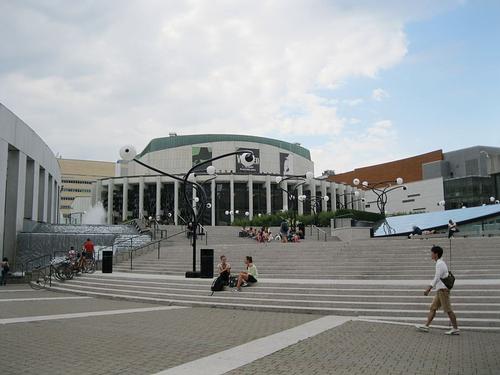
(442, 297)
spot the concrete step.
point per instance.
(475, 305)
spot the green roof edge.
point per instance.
(158, 144)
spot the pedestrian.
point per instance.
(284, 231)
(452, 228)
(442, 297)
(4, 265)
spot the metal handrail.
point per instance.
(319, 230)
(205, 233)
(117, 243)
(157, 242)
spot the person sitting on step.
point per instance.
(250, 276)
(224, 269)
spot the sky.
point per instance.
(356, 82)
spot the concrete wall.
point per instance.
(421, 196)
(26, 166)
(472, 161)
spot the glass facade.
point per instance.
(223, 203)
(277, 199)
(259, 199)
(468, 191)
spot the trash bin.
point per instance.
(107, 261)
(207, 263)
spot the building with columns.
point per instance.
(29, 181)
(238, 190)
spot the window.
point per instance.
(71, 190)
(472, 167)
(408, 200)
(77, 182)
(413, 195)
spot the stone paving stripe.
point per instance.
(29, 319)
(17, 290)
(40, 299)
(241, 355)
(462, 328)
(459, 282)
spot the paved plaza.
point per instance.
(56, 333)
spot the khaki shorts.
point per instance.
(442, 299)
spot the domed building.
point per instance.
(239, 189)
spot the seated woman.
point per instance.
(250, 276)
(224, 269)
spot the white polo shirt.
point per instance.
(441, 273)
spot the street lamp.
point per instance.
(293, 193)
(381, 189)
(196, 209)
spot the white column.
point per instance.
(212, 192)
(250, 197)
(341, 191)
(141, 198)
(312, 187)
(111, 188)
(268, 194)
(176, 202)
(36, 184)
(324, 204)
(4, 154)
(21, 192)
(57, 196)
(98, 191)
(158, 196)
(300, 191)
(125, 199)
(45, 196)
(349, 197)
(284, 186)
(231, 195)
(194, 195)
(333, 188)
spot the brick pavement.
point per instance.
(140, 343)
(374, 348)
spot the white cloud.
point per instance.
(379, 94)
(92, 76)
(373, 144)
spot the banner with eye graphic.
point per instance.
(242, 166)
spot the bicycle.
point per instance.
(39, 277)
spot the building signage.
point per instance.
(242, 166)
(199, 155)
(286, 164)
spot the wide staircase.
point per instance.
(376, 279)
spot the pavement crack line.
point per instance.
(230, 359)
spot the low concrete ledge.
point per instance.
(351, 233)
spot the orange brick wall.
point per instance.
(410, 169)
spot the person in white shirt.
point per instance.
(442, 297)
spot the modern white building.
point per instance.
(238, 189)
(30, 181)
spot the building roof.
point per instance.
(410, 169)
(164, 143)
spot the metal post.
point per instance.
(159, 242)
(131, 260)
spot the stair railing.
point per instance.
(318, 232)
